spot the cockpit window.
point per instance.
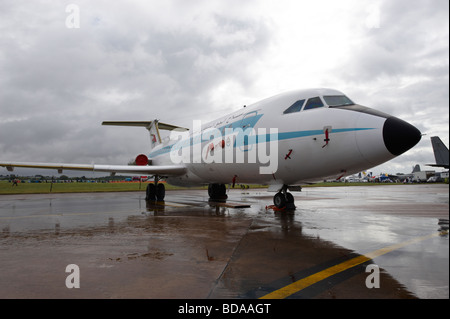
(296, 107)
(313, 103)
(338, 100)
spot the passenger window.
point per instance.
(296, 107)
(313, 103)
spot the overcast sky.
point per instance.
(184, 60)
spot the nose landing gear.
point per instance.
(283, 199)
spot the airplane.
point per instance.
(407, 177)
(285, 141)
(440, 153)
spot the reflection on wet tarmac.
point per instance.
(443, 223)
(187, 247)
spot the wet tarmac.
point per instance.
(186, 247)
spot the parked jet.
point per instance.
(440, 153)
(407, 177)
(290, 139)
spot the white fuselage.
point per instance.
(310, 145)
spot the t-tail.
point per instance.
(153, 128)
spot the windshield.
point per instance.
(296, 107)
(337, 100)
(314, 103)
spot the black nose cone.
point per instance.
(399, 136)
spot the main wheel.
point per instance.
(217, 191)
(211, 190)
(279, 200)
(151, 192)
(160, 192)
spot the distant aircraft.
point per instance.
(440, 153)
(407, 177)
(290, 139)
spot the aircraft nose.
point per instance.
(399, 136)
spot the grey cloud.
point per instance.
(125, 62)
(405, 44)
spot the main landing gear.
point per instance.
(283, 199)
(217, 192)
(155, 191)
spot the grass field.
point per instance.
(7, 188)
(45, 188)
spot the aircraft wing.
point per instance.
(439, 165)
(162, 170)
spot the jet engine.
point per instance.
(141, 160)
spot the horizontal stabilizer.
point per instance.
(439, 165)
(146, 124)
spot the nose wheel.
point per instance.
(283, 199)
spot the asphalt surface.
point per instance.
(337, 243)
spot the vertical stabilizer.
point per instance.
(416, 169)
(440, 151)
(155, 137)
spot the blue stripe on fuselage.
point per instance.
(245, 123)
(261, 138)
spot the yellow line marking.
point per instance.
(310, 280)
